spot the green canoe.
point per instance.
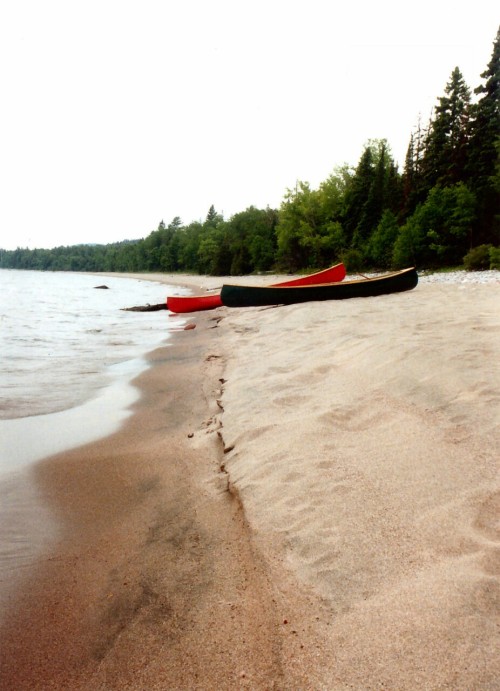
(254, 296)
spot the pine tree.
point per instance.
(412, 179)
(212, 217)
(377, 186)
(357, 192)
(375, 201)
(409, 173)
(484, 151)
(445, 146)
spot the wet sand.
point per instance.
(155, 583)
(305, 498)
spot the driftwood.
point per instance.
(146, 308)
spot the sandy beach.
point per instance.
(306, 497)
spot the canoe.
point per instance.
(193, 303)
(256, 296)
(196, 303)
(333, 274)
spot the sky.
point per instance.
(118, 114)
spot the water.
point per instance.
(60, 336)
(68, 354)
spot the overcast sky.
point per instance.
(117, 114)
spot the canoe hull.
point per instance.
(254, 296)
(333, 274)
(181, 304)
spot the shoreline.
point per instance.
(143, 590)
(328, 525)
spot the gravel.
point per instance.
(460, 277)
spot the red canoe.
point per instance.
(196, 303)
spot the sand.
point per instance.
(306, 497)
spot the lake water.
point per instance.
(68, 354)
(67, 346)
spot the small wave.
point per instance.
(59, 354)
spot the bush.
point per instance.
(494, 257)
(353, 261)
(478, 259)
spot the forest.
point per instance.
(441, 211)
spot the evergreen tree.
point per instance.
(374, 204)
(357, 193)
(375, 186)
(380, 246)
(484, 151)
(412, 179)
(445, 145)
(212, 217)
(409, 175)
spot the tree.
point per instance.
(451, 212)
(209, 251)
(299, 220)
(381, 244)
(446, 142)
(374, 187)
(332, 192)
(384, 193)
(262, 243)
(357, 192)
(413, 191)
(411, 247)
(251, 239)
(212, 217)
(439, 231)
(188, 246)
(484, 155)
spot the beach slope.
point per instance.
(153, 582)
(364, 442)
(306, 497)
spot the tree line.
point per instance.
(443, 210)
